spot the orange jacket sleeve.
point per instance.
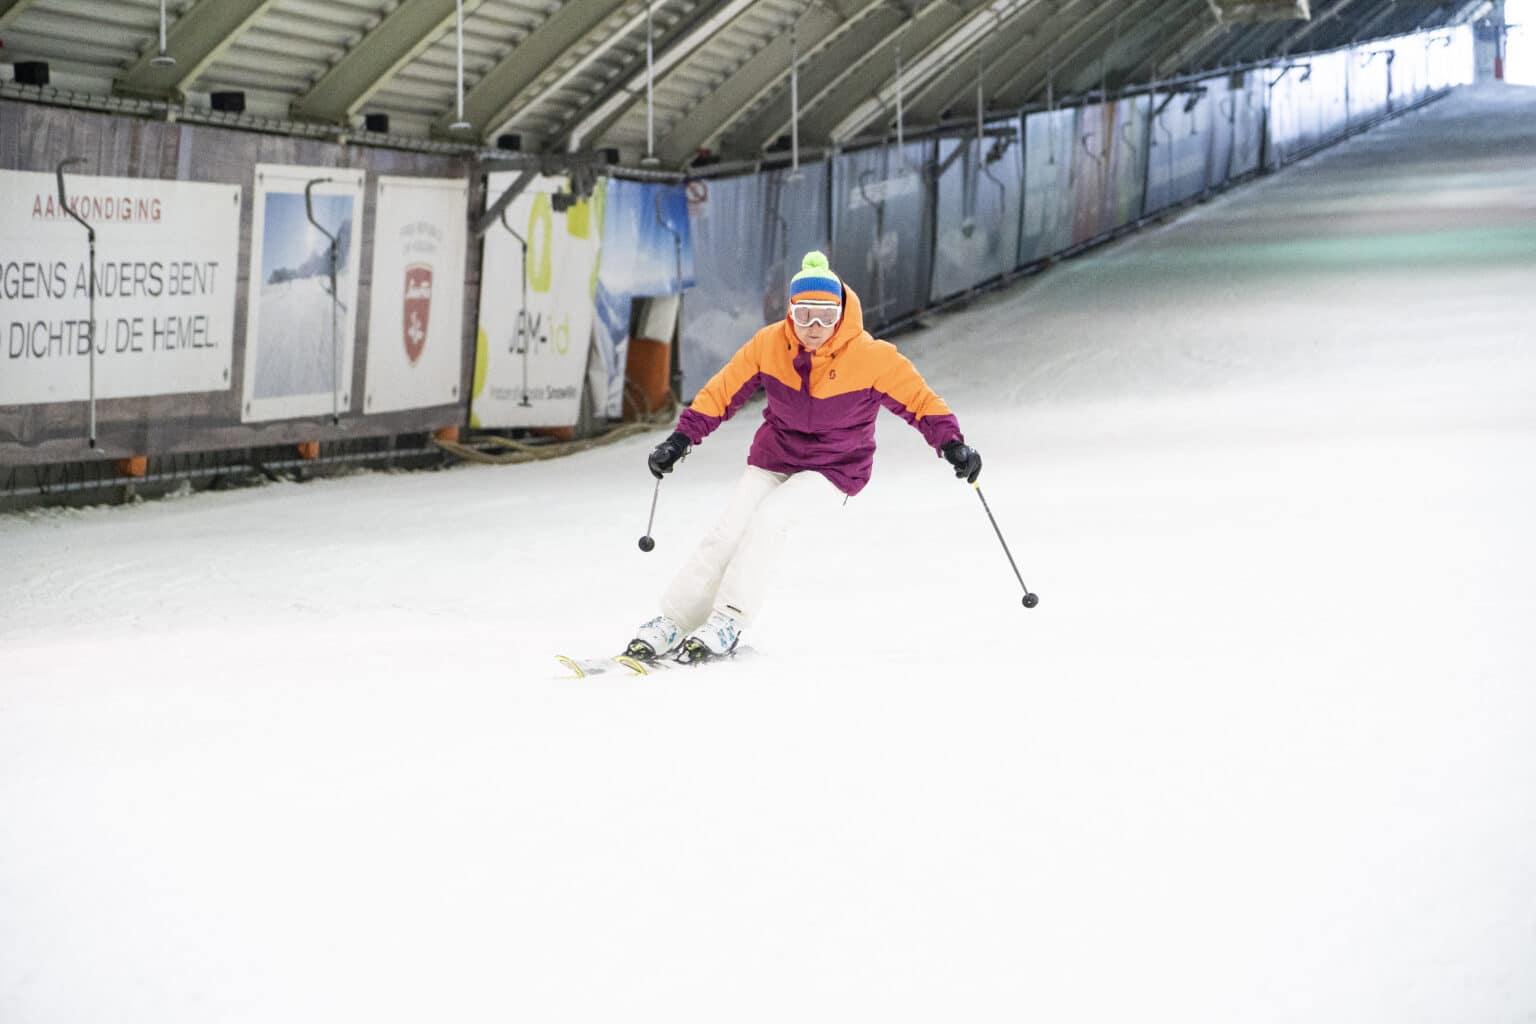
(738, 380)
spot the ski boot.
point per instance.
(655, 639)
(717, 638)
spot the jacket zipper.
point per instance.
(805, 385)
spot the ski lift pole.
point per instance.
(523, 314)
(335, 254)
(90, 233)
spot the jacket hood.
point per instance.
(848, 328)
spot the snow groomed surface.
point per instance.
(1262, 753)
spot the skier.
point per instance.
(826, 379)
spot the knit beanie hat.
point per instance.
(815, 282)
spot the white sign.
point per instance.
(165, 287)
(299, 322)
(537, 284)
(416, 314)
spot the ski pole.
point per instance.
(646, 542)
(1030, 600)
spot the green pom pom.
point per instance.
(814, 261)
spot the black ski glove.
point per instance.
(967, 461)
(665, 455)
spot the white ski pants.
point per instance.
(733, 565)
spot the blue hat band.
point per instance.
(815, 284)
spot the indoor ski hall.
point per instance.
(726, 511)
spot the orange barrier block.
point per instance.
(648, 372)
(446, 433)
(557, 433)
(134, 465)
(309, 449)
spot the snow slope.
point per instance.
(1262, 753)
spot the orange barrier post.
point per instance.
(134, 465)
(309, 449)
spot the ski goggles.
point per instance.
(806, 313)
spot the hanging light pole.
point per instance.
(981, 131)
(650, 91)
(162, 59)
(794, 100)
(460, 124)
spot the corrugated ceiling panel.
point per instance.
(294, 43)
(577, 75)
(427, 85)
(291, 45)
(703, 72)
(89, 40)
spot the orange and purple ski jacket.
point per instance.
(821, 405)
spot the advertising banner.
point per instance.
(1048, 145)
(302, 318)
(1221, 103)
(536, 284)
(1179, 149)
(416, 309)
(880, 226)
(647, 250)
(1370, 80)
(1248, 118)
(1409, 71)
(978, 209)
(729, 303)
(1127, 162)
(165, 287)
(1093, 135)
(749, 234)
(1449, 58)
(1108, 166)
(1327, 94)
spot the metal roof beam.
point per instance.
(1219, 51)
(10, 10)
(393, 43)
(1147, 38)
(713, 114)
(1080, 30)
(874, 70)
(1177, 23)
(1066, 22)
(196, 39)
(1188, 53)
(821, 68)
(956, 48)
(927, 103)
(1368, 24)
(1179, 56)
(1296, 36)
(681, 42)
(503, 90)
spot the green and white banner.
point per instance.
(538, 276)
(416, 310)
(165, 287)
